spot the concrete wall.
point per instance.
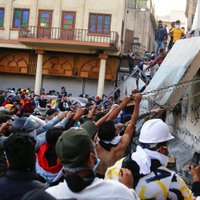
(186, 125)
(5, 33)
(190, 11)
(140, 22)
(74, 86)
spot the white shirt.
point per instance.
(147, 72)
(99, 189)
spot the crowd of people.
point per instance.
(164, 41)
(56, 146)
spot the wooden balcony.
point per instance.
(77, 38)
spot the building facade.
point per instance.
(53, 43)
(190, 12)
(49, 44)
(140, 25)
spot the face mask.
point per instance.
(178, 26)
(166, 153)
(97, 162)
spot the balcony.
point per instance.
(77, 38)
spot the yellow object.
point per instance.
(113, 171)
(53, 101)
(154, 186)
(9, 106)
(157, 185)
(177, 34)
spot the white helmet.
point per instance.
(155, 131)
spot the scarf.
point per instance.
(143, 158)
(107, 145)
(114, 141)
(74, 181)
(43, 162)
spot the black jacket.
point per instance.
(16, 183)
(196, 189)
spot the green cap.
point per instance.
(91, 128)
(73, 147)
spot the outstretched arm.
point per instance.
(112, 114)
(128, 134)
(104, 118)
(116, 111)
(129, 130)
(78, 114)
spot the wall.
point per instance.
(190, 11)
(81, 7)
(56, 64)
(74, 86)
(5, 32)
(185, 125)
(140, 22)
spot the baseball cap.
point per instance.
(91, 128)
(73, 147)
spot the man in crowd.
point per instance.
(160, 38)
(111, 146)
(177, 33)
(20, 176)
(195, 171)
(77, 154)
(42, 101)
(171, 36)
(131, 58)
(63, 104)
(152, 180)
(158, 60)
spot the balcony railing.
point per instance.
(55, 33)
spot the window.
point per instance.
(45, 18)
(44, 24)
(68, 20)
(99, 23)
(1, 17)
(20, 19)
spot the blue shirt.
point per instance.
(161, 34)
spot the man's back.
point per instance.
(20, 177)
(162, 184)
(108, 158)
(15, 184)
(159, 184)
(99, 189)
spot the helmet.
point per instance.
(155, 131)
(18, 124)
(25, 124)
